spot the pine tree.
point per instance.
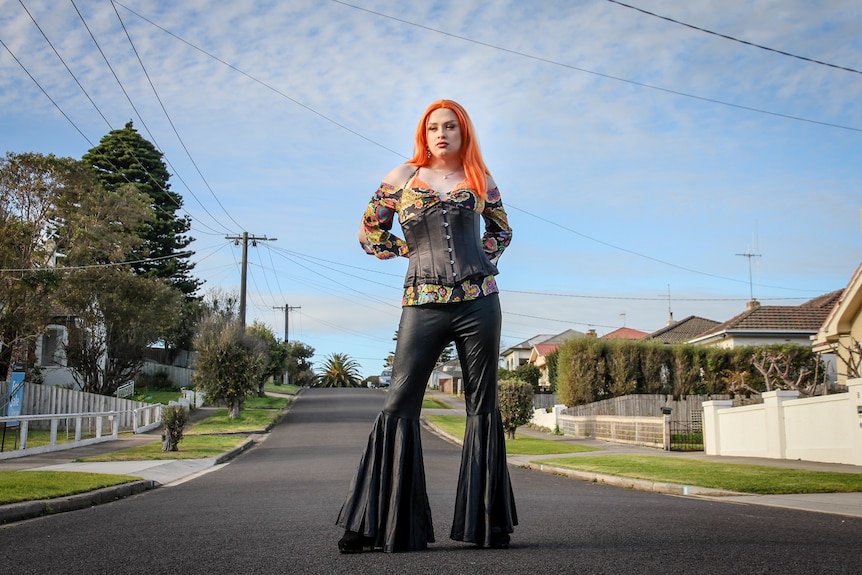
(123, 157)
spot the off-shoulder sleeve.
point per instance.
(497, 234)
(377, 223)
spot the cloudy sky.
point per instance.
(637, 157)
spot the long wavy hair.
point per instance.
(471, 155)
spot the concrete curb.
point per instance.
(14, 512)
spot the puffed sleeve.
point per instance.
(377, 221)
(497, 234)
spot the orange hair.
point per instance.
(471, 155)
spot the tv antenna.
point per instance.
(750, 257)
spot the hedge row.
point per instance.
(591, 369)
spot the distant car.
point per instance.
(385, 378)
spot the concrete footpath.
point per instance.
(166, 473)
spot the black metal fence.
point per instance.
(686, 436)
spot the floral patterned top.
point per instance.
(408, 203)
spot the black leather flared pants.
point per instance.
(387, 499)
(425, 331)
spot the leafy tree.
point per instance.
(123, 157)
(299, 369)
(117, 316)
(339, 370)
(229, 362)
(516, 404)
(529, 373)
(276, 355)
(30, 185)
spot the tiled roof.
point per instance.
(806, 317)
(625, 333)
(683, 330)
(546, 348)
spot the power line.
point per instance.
(746, 42)
(152, 138)
(261, 82)
(168, 116)
(599, 74)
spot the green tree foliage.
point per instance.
(174, 421)
(623, 363)
(516, 404)
(582, 371)
(117, 315)
(229, 362)
(122, 158)
(30, 185)
(276, 355)
(552, 361)
(338, 370)
(528, 373)
(300, 370)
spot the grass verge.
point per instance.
(455, 424)
(18, 486)
(190, 447)
(432, 403)
(249, 421)
(743, 478)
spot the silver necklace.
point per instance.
(446, 176)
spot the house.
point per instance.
(519, 354)
(841, 332)
(771, 324)
(625, 333)
(683, 330)
(448, 378)
(540, 351)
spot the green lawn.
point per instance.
(743, 478)
(249, 421)
(17, 486)
(433, 403)
(455, 424)
(190, 447)
(207, 438)
(164, 396)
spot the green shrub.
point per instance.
(516, 404)
(174, 420)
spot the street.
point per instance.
(273, 510)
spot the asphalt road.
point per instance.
(273, 509)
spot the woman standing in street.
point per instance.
(442, 196)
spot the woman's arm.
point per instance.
(498, 233)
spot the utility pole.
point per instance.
(286, 309)
(245, 238)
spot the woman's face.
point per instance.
(443, 133)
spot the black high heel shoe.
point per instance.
(353, 542)
(499, 540)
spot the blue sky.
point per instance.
(636, 156)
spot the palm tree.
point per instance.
(339, 370)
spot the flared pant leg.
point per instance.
(387, 499)
(485, 504)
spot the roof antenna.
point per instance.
(750, 257)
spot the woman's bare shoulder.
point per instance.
(489, 182)
(399, 175)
